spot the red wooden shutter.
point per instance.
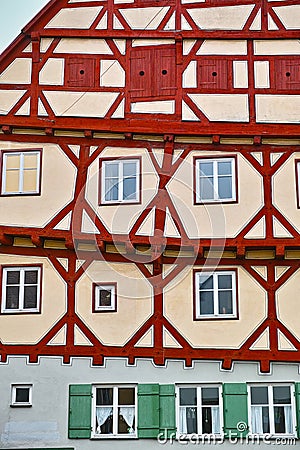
(140, 73)
(287, 74)
(80, 72)
(213, 74)
(164, 61)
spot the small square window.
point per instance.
(215, 180)
(105, 297)
(21, 395)
(21, 173)
(120, 181)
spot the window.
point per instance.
(215, 294)
(21, 395)
(114, 411)
(215, 180)
(21, 289)
(105, 297)
(120, 181)
(272, 409)
(199, 410)
(21, 173)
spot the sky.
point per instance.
(14, 16)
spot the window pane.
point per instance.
(12, 161)
(105, 297)
(206, 168)
(30, 297)
(210, 396)
(279, 419)
(206, 302)
(129, 189)
(111, 189)
(22, 395)
(13, 277)
(12, 297)
(225, 302)
(104, 420)
(265, 419)
(129, 169)
(111, 170)
(31, 277)
(206, 189)
(282, 394)
(30, 181)
(224, 168)
(30, 160)
(224, 281)
(206, 421)
(126, 420)
(187, 396)
(259, 395)
(126, 396)
(188, 420)
(104, 396)
(225, 187)
(12, 181)
(206, 282)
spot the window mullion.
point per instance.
(21, 294)
(215, 175)
(199, 411)
(121, 177)
(21, 173)
(271, 409)
(216, 293)
(115, 410)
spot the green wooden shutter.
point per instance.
(297, 395)
(148, 410)
(235, 409)
(80, 410)
(167, 420)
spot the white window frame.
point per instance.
(215, 275)
(215, 198)
(271, 408)
(199, 406)
(22, 271)
(106, 287)
(115, 434)
(21, 170)
(120, 163)
(14, 388)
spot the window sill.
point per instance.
(113, 436)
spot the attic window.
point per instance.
(80, 72)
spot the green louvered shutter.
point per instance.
(167, 420)
(148, 410)
(80, 411)
(235, 409)
(297, 395)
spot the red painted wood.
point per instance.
(287, 73)
(80, 72)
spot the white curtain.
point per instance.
(182, 421)
(128, 414)
(288, 419)
(256, 419)
(215, 418)
(102, 414)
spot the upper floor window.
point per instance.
(199, 410)
(120, 181)
(215, 180)
(272, 409)
(21, 289)
(114, 411)
(215, 294)
(21, 395)
(105, 297)
(21, 172)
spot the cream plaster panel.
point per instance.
(287, 299)
(8, 99)
(80, 104)
(144, 18)
(159, 107)
(240, 74)
(262, 74)
(120, 218)
(277, 47)
(29, 328)
(45, 44)
(52, 72)
(289, 16)
(83, 45)
(111, 73)
(80, 18)
(18, 72)
(223, 47)
(221, 18)
(223, 107)
(216, 220)
(284, 187)
(151, 42)
(134, 301)
(179, 304)
(277, 108)
(189, 76)
(58, 178)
